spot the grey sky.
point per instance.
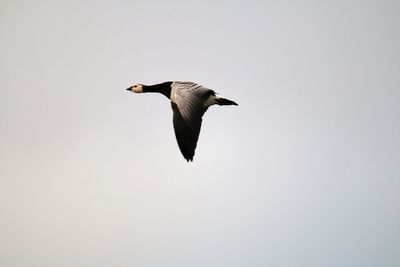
(304, 172)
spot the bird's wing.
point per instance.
(189, 98)
(186, 136)
(188, 109)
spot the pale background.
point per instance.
(304, 172)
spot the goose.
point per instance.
(189, 102)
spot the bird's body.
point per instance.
(189, 102)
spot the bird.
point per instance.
(189, 102)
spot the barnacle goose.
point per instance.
(189, 101)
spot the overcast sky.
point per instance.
(304, 172)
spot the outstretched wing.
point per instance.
(186, 136)
(187, 104)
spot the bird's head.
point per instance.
(137, 88)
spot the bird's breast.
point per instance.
(173, 96)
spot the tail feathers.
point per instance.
(224, 102)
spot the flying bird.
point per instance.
(189, 102)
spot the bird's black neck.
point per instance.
(163, 88)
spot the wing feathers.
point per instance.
(188, 108)
(185, 135)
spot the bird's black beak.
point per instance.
(129, 89)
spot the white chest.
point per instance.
(173, 96)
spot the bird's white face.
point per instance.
(137, 88)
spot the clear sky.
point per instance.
(304, 172)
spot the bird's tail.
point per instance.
(222, 101)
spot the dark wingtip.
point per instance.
(189, 159)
